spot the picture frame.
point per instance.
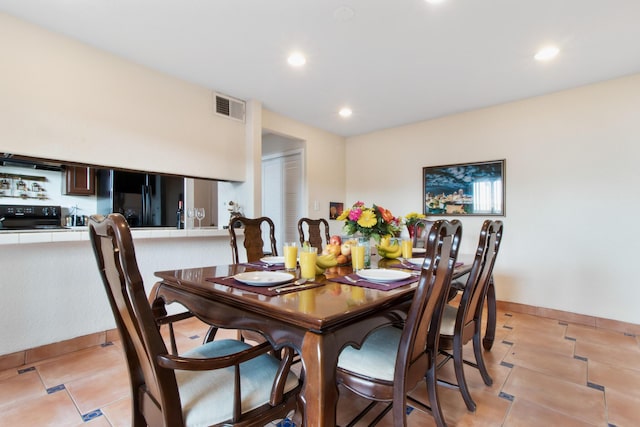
(464, 189)
(335, 209)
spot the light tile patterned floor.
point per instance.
(545, 373)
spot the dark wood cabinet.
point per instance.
(80, 180)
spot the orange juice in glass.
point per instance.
(308, 256)
(407, 248)
(357, 257)
(290, 256)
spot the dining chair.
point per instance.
(253, 242)
(224, 382)
(254, 247)
(462, 323)
(393, 359)
(421, 232)
(313, 227)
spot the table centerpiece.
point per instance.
(410, 221)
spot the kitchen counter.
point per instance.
(73, 234)
(52, 290)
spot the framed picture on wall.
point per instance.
(464, 189)
(335, 209)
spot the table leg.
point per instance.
(490, 332)
(321, 399)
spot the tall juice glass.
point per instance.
(357, 257)
(308, 256)
(290, 256)
(407, 248)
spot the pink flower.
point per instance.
(355, 213)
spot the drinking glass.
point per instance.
(290, 256)
(190, 214)
(199, 216)
(308, 256)
(407, 248)
(357, 256)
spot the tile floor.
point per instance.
(545, 373)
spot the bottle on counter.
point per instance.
(180, 216)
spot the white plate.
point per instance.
(263, 278)
(273, 260)
(383, 275)
(416, 261)
(419, 250)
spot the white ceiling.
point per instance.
(393, 62)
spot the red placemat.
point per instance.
(375, 285)
(262, 290)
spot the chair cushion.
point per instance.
(448, 320)
(207, 396)
(377, 356)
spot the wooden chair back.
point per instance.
(152, 388)
(253, 242)
(475, 290)
(419, 341)
(421, 232)
(462, 324)
(314, 229)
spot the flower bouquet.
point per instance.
(410, 221)
(370, 222)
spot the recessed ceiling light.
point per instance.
(547, 53)
(296, 59)
(345, 112)
(435, 1)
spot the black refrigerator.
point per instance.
(145, 200)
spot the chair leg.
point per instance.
(432, 390)
(458, 365)
(477, 351)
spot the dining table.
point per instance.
(318, 318)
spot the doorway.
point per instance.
(282, 185)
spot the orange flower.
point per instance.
(386, 214)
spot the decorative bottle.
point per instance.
(180, 216)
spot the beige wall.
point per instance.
(571, 229)
(63, 100)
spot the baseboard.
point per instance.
(34, 355)
(565, 316)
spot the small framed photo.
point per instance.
(335, 209)
(464, 189)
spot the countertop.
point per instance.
(73, 234)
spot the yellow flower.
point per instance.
(343, 215)
(367, 219)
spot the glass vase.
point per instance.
(366, 242)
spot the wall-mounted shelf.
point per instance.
(24, 177)
(39, 197)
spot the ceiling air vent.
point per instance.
(229, 107)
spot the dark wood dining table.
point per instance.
(317, 322)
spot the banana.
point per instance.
(390, 251)
(326, 261)
(319, 270)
